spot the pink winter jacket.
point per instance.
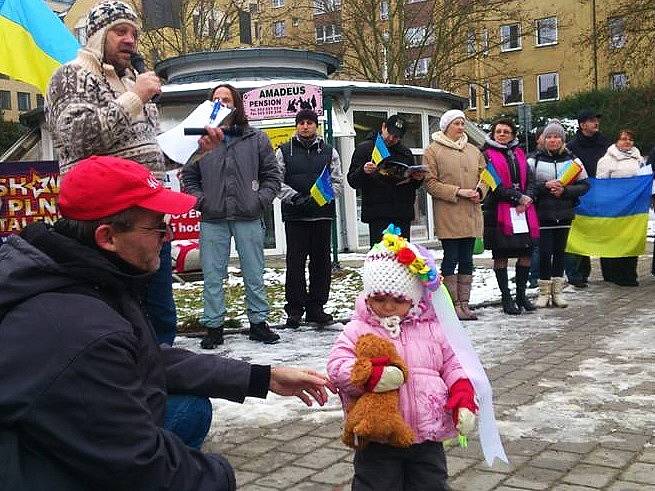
(433, 369)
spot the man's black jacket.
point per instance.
(382, 198)
(83, 382)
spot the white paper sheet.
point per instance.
(180, 147)
(519, 222)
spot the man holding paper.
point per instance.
(384, 201)
(235, 183)
(312, 176)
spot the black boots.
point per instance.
(261, 332)
(522, 274)
(213, 338)
(509, 307)
(318, 317)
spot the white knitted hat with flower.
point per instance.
(384, 274)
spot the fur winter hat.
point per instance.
(450, 116)
(554, 127)
(103, 17)
(397, 267)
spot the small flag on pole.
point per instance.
(490, 177)
(322, 190)
(380, 151)
(570, 172)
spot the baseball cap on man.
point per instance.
(586, 115)
(396, 126)
(101, 186)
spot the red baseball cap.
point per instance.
(101, 186)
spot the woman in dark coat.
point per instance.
(510, 203)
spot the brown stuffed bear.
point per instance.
(375, 416)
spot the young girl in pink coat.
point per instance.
(437, 400)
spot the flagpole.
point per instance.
(329, 137)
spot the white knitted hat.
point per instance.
(384, 274)
(450, 116)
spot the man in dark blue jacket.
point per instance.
(307, 225)
(384, 200)
(84, 384)
(589, 145)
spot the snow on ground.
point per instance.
(620, 382)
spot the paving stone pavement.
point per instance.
(305, 456)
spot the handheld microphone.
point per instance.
(227, 130)
(139, 64)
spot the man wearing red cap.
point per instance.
(84, 382)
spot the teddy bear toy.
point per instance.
(375, 416)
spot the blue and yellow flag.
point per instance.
(33, 41)
(322, 190)
(490, 177)
(612, 218)
(380, 151)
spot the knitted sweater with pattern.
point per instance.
(90, 110)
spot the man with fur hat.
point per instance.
(385, 201)
(308, 226)
(84, 382)
(98, 105)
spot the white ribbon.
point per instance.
(492, 447)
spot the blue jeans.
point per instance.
(159, 298)
(457, 253)
(189, 418)
(214, 257)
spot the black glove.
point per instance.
(303, 200)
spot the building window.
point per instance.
(5, 100)
(384, 10)
(548, 87)
(617, 32)
(279, 30)
(484, 40)
(278, 3)
(546, 31)
(470, 42)
(413, 1)
(295, 21)
(619, 81)
(417, 36)
(327, 34)
(39, 100)
(510, 37)
(24, 101)
(325, 6)
(473, 96)
(417, 68)
(512, 90)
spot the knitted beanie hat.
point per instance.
(554, 127)
(450, 116)
(103, 17)
(396, 267)
(108, 13)
(306, 114)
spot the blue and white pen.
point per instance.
(214, 113)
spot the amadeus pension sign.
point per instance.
(281, 101)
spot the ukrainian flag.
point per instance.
(490, 177)
(380, 151)
(612, 218)
(322, 190)
(33, 41)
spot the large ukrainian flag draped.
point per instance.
(612, 218)
(33, 41)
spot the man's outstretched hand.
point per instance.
(301, 382)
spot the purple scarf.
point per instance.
(501, 165)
